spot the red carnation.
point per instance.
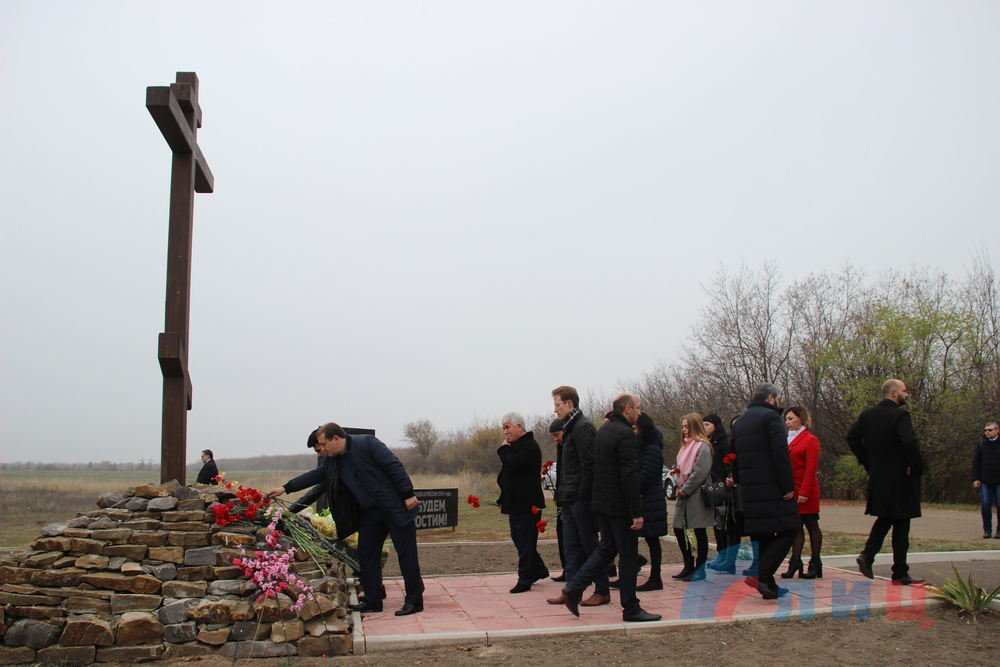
(534, 509)
(729, 458)
(470, 499)
(541, 525)
(475, 504)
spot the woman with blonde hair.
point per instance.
(695, 463)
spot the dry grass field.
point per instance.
(29, 499)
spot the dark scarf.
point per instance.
(571, 419)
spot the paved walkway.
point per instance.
(478, 609)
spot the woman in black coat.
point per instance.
(654, 503)
(720, 448)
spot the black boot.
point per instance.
(815, 569)
(654, 583)
(794, 565)
(688, 567)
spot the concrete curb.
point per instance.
(489, 638)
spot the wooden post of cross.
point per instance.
(176, 112)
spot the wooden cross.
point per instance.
(175, 110)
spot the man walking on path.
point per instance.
(883, 441)
(521, 498)
(574, 493)
(617, 509)
(764, 475)
(986, 476)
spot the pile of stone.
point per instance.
(148, 576)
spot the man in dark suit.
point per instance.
(520, 485)
(574, 493)
(764, 476)
(617, 508)
(883, 441)
(375, 479)
(209, 471)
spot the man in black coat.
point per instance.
(521, 498)
(763, 474)
(883, 441)
(617, 508)
(556, 431)
(574, 493)
(209, 471)
(986, 476)
(361, 469)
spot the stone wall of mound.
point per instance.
(148, 576)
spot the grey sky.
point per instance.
(444, 209)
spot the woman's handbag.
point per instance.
(714, 494)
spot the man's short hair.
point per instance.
(513, 418)
(208, 453)
(765, 391)
(891, 385)
(313, 439)
(330, 430)
(993, 424)
(567, 393)
(623, 401)
(556, 426)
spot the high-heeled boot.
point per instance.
(688, 567)
(815, 569)
(794, 565)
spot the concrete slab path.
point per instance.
(479, 608)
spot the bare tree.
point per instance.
(423, 436)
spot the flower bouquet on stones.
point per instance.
(246, 506)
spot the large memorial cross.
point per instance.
(176, 112)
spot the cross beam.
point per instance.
(176, 111)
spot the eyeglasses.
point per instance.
(989, 430)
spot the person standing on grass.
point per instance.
(209, 471)
(360, 468)
(986, 476)
(617, 507)
(883, 441)
(521, 498)
(575, 491)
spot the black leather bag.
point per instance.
(714, 494)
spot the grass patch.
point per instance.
(850, 543)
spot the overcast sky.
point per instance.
(443, 210)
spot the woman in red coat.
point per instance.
(803, 450)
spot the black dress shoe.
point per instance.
(906, 581)
(561, 578)
(864, 567)
(639, 615)
(410, 608)
(366, 608)
(521, 588)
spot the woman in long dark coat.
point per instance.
(654, 503)
(720, 448)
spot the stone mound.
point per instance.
(149, 576)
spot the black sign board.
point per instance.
(438, 508)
